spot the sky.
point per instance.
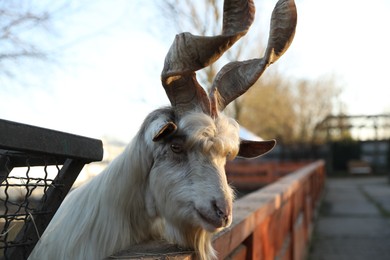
(107, 78)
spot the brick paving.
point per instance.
(354, 220)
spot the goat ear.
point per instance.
(166, 130)
(252, 149)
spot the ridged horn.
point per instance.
(190, 53)
(235, 78)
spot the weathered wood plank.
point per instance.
(22, 137)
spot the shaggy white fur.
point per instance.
(174, 188)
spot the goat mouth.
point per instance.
(212, 223)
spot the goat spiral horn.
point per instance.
(190, 53)
(235, 78)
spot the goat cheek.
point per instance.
(167, 184)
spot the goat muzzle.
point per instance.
(217, 216)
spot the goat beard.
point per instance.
(200, 240)
(202, 244)
(191, 237)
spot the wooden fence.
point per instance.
(247, 175)
(274, 222)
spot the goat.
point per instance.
(169, 182)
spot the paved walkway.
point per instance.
(354, 220)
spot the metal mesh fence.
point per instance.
(22, 190)
(38, 167)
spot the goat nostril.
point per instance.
(222, 214)
(223, 217)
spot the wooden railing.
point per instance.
(252, 174)
(274, 222)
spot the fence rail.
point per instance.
(29, 198)
(274, 222)
(247, 175)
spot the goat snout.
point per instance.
(216, 216)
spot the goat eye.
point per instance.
(176, 148)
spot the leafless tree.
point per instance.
(20, 22)
(313, 101)
(289, 110)
(268, 109)
(33, 33)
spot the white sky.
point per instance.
(107, 83)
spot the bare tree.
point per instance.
(288, 110)
(33, 33)
(19, 23)
(313, 101)
(268, 109)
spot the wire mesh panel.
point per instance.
(22, 190)
(37, 169)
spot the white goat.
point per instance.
(170, 180)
